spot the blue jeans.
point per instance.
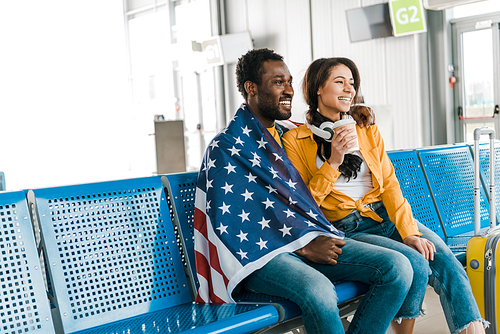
(310, 286)
(445, 274)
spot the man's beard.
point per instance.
(272, 110)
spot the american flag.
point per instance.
(251, 205)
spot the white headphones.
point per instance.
(324, 131)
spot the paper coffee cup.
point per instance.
(349, 123)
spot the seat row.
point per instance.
(438, 182)
(118, 256)
(103, 258)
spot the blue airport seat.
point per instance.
(193, 318)
(484, 166)
(181, 191)
(414, 186)
(24, 306)
(115, 267)
(450, 173)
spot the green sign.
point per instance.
(407, 17)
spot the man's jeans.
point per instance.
(447, 275)
(309, 285)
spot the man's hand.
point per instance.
(363, 115)
(323, 250)
(421, 245)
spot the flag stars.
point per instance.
(246, 131)
(234, 151)
(291, 201)
(264, 223)
(274, 172)
(262, 243)
(224, 208)
(312, 214)
(242, 236)
(238, 141)
(242, 254)
(244, 216)
(227, 188)
(222, 229)
(256, 156)
(230, 168)
(251, 178)
(211, 163)
(268, 203)
(285, 230)
(255, 162)
(247, 195)
(271, 189)
(291, 184)
(214, 144)
(262, 143)
(289, 213)
(309, 224)
(209, 184)
(277, 157)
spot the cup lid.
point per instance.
(343, 122)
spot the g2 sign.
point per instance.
(407, 17)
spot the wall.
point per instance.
(393, 70)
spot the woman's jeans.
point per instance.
(310, 286)
(447, 275)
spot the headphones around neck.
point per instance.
(324, 131)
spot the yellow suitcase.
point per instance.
(482, 249)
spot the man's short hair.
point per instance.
(249, 67)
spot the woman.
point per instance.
(360, 194)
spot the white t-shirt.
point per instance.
(355, 188)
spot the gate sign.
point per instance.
(212, 51)
(407, 17)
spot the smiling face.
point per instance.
(337, 94)
(272, 99)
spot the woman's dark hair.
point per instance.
(249, 67)
(316, 76)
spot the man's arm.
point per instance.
(323, 250)
(362, 114)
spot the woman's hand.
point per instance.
(341, 142)
(421, 245)
(322, 249)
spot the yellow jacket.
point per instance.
(301, 149)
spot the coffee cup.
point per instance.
(350, 123)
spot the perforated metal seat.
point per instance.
(115, 266)
(450, 173)
(24, 307)
(414, 187)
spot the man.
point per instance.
(257, 225)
